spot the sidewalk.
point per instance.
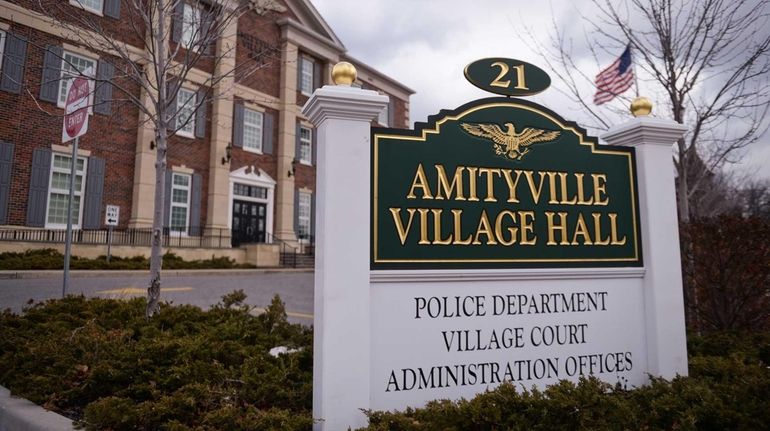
(86, 273)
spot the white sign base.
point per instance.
(386, 339)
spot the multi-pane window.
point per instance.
(73, 65)
(250, 191)
(185, 111)
(252, 130)
(306, 82)
(305, 145)
(180, 202)
(92, 5)
(304, 214)
(191, 25)
(59, 190)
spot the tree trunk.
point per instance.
(161, 130)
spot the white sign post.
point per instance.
(74, 126)
(394, 338)
(111, 217)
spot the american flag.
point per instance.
(615, 79)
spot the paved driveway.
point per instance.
(201, 288)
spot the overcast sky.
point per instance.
(426, 44)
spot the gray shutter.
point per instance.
(92, 208)
(103, 91)
(195, 205)
(38, 187)
(299, 72)
(15, 55)
(207, 32)
(176, 31)
(238, 125)
(314, 145)
(167, 200)
(49, 84)
(6, 165)
(200, 114)
(267, 133)
(297, 142)
(171, 89)
(312, 216)
(317, 75)
(392, 113)
(296, 213)
(112, 8)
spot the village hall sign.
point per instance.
(496, 242)
(501, 182)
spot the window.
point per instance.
(250, 191)
(180, 202)
(185, 112)
(252, 130)
(191, 25)
(95, 6)
(72, 66)
(383, 118)
(2, 47)
(306, 82)
(59, 190)
(303, 214)
(305, 145)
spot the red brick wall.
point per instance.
(258, 53)
(30, 125)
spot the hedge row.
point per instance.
(51, 259)
(103, 364)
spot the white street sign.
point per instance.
(111, 215)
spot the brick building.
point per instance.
(243, 165)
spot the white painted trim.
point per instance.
(260, 179)
(81, 193)
(2, 44)
(460, 275)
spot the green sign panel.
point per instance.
(507, 76)
(499, 183)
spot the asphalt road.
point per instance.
(200, 289)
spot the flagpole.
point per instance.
(636, 75)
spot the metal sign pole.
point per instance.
(109, 242)
(68, 240)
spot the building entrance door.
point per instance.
(249, 221)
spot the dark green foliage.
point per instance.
(728, 388)
(103, 363)
(51, 259)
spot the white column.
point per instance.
(663, 298)
(341, 351)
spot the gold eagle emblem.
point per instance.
(510, 144)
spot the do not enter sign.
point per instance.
(76, 109)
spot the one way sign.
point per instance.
(111, 215)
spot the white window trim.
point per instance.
(309, 196)
(310, 146)
(196, 33)
(307, 71)
(187, 205)
(260, 134)
(76, 3)
(80, 193)
(191, 123)
(59, 102)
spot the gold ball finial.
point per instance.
(344, 73)
(641, 107)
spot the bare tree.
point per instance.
(166, 42)
(706, 61)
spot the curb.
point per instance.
(6, 275)
(19, 414)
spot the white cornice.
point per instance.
(645, 130)
(342, 102)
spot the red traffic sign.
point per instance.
(76, 109)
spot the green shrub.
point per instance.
(104, 364)
(51, 259)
